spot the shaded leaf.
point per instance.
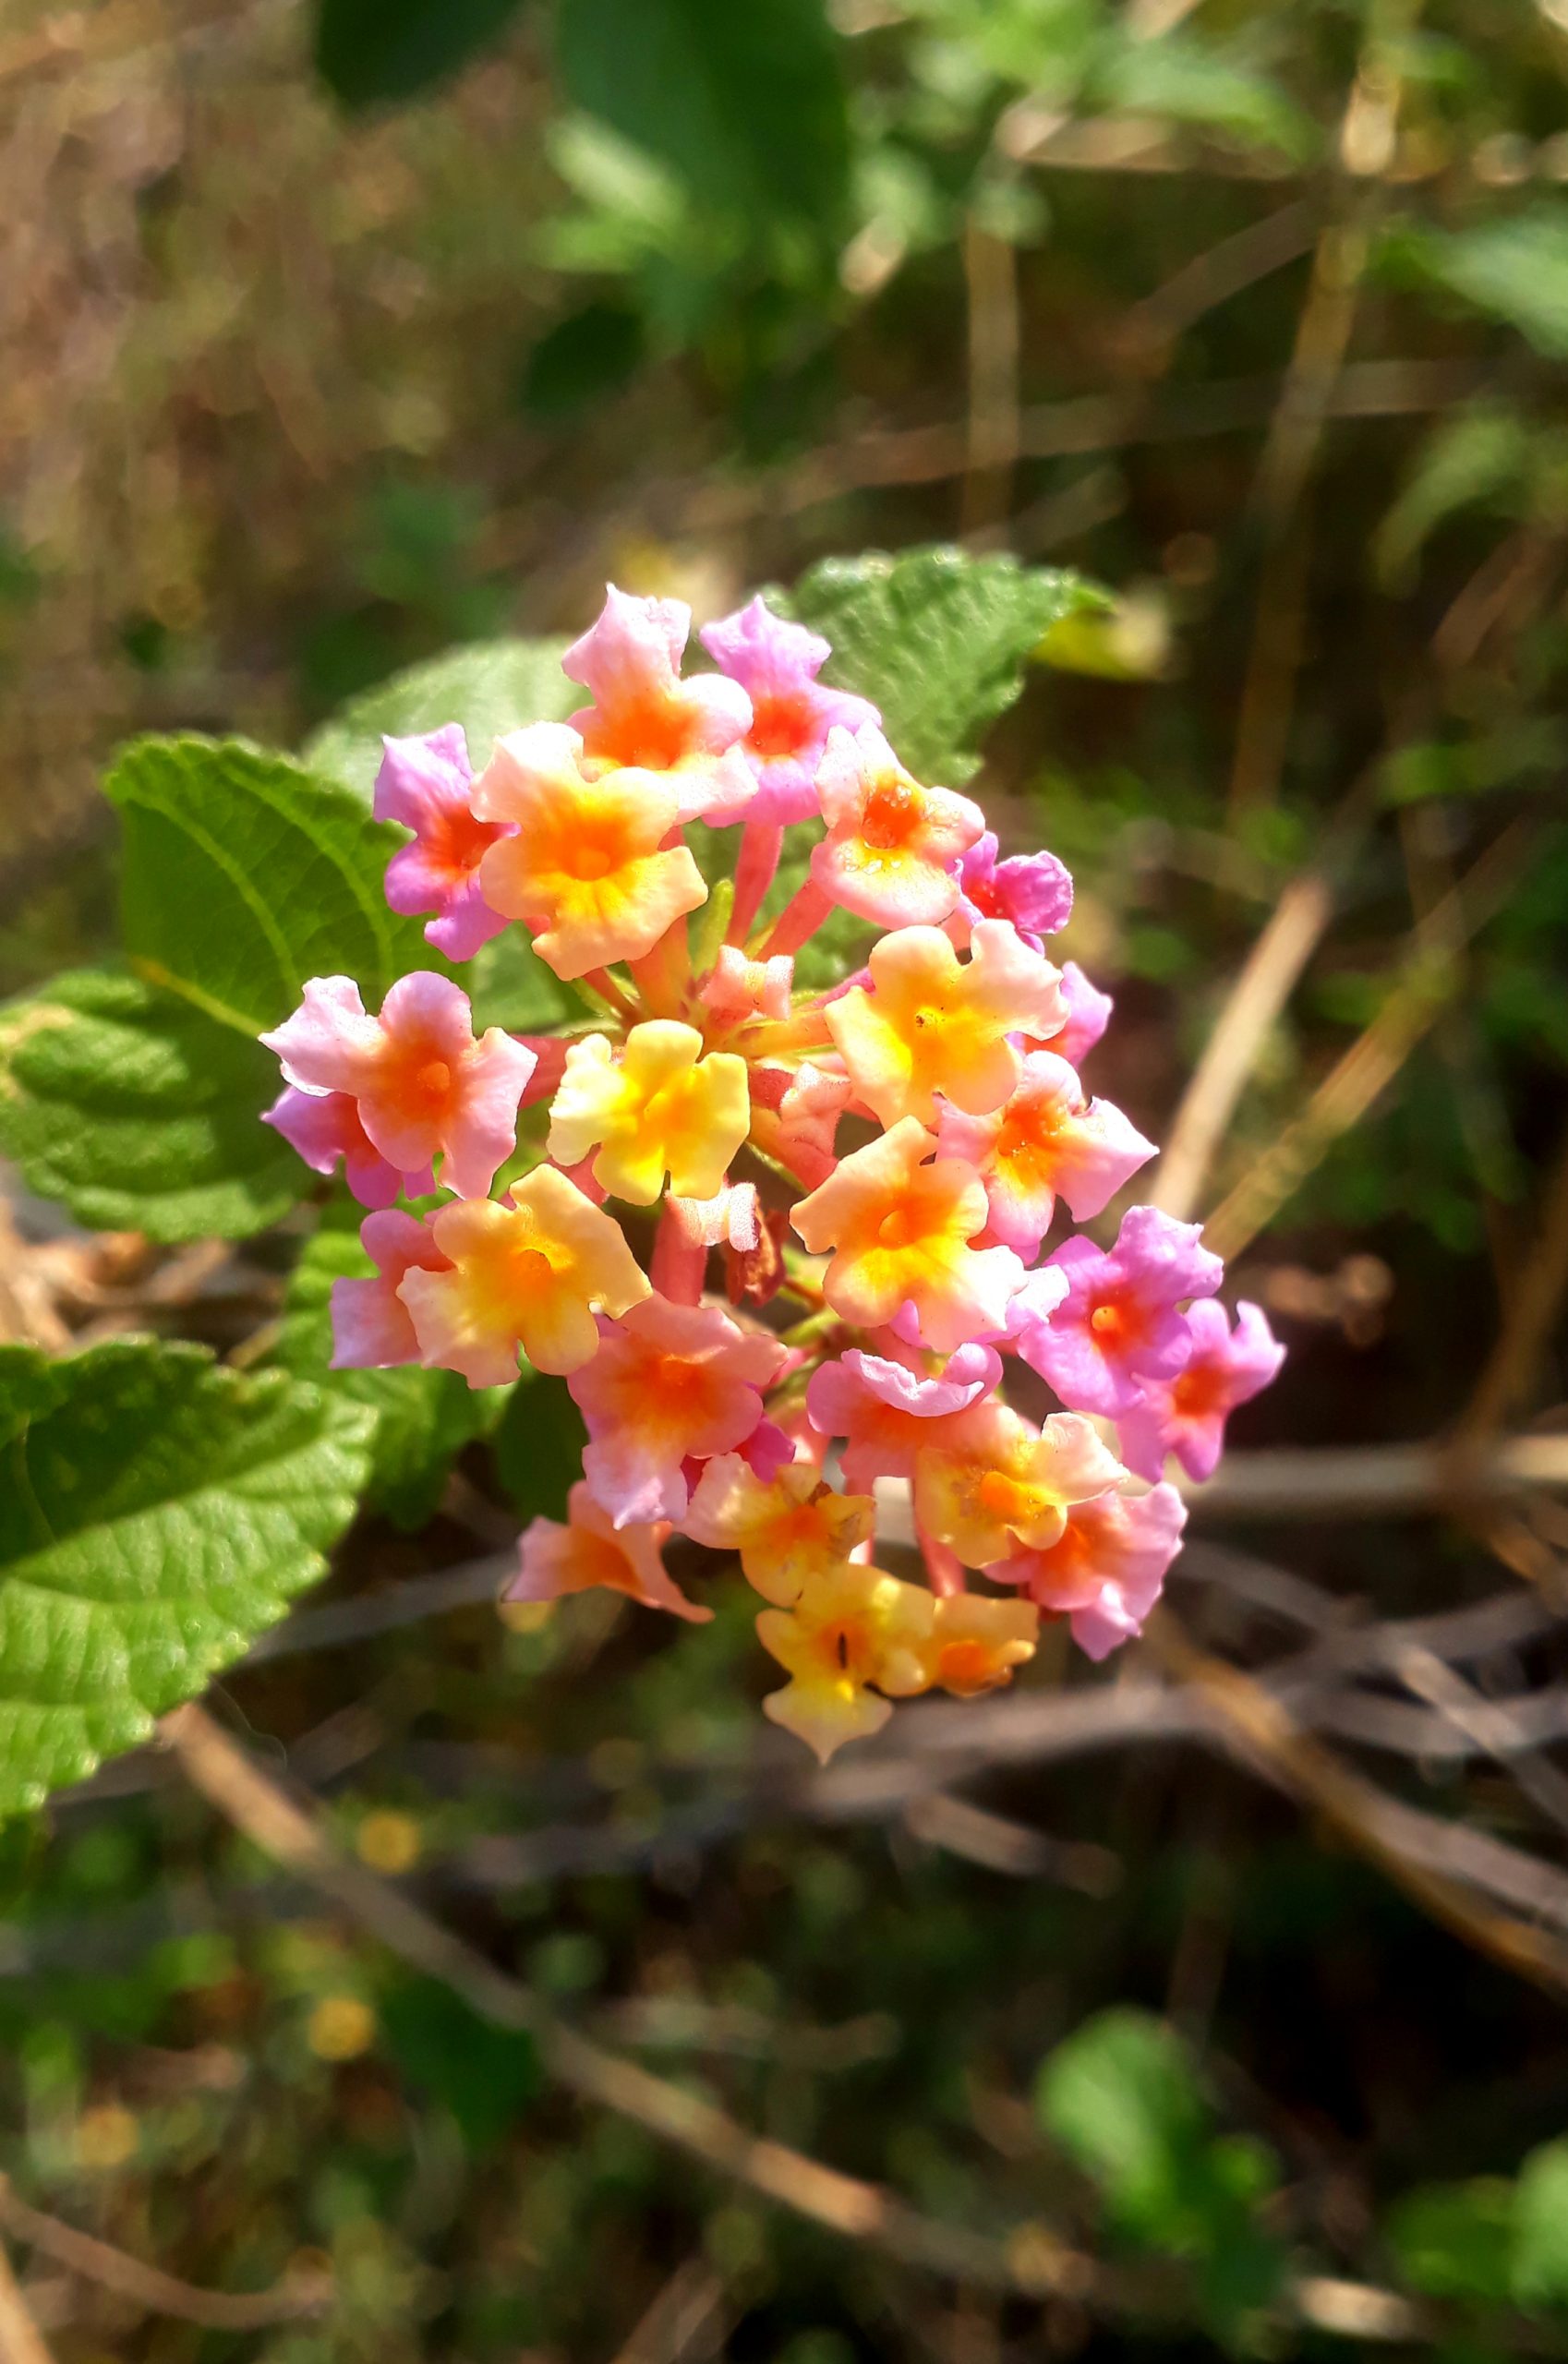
(1451, 2241)
(1515, 270)
(158, 1514)
(371, 52)
(1539, 2274)
(1189, 81)
(1121, 2097)
(590, 354)
(140, 1113)
(937, 640)
(486, 2075)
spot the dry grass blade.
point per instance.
(21, 2342)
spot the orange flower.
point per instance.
(1007, 1485)
(586, 868)
(934, 1024)
(785, 1532)
(851, 1627)
(976, 1642)
(588, 1555)
(531, 1274)
(900, 1230)
(644, 715)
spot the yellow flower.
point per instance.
(849, 1628)
(659, 1107)
(786, 1532)
(936, 1024)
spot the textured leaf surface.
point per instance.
(158, 1514)
(745, 105)
(371, 52)
(937, 640)
(490, 687)
(422, 1418)
(245, 875)
(137, 1112)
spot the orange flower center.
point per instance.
(778, 725)
(1002, 1497)
(900, 1229)
(1118, 1323)
(653, 735)
(969, 1666)
(1200, 1391)
(893, 813)
(456, 840)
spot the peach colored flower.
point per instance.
(933, 1023)
(1048, 1138)
(1105, 1571)
(528, 1274)
(587, 1555)
(892, 848)
(1008, 1485)
(975, 1643)
(671, 1385)
(784, 1530)
(645, 717)
(586, 867)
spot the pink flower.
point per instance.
(795, 1116)
(1117, 1325)
(1187, 1415)
(777, 664)
(1089, 1014)
(736, 989)
(888, 1410)
(1106, 1570)
(644, 715)
(371, 1328)
(670, 1384)
(424, 783)
(1048, 1140)
(588, 1555)
(324, 1127)
(422, 1081)
(1033, 890)
(892, 848)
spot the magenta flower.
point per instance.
(1105, 1572)
(324, 1127)
(1187, 1415)
(1118, 1324)
(1048, 1140)
(670, 1384)
(777, 664)
(423, 1083)
(1089, 1014)
(371, 1327)
(424, 783)
(1033, 890)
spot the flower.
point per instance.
(659, 1107)
(589, 1554)
(934, 1024)
(371, 1329)
(892, 848)
(647, 718)
(777, 664)
(1088, 1014)
(802, 1129)
(889, 1411)
(424, 1085)
(736, 989)
(976, 1643)
(670, 1384)
(1033, 890)
(784, 1530)
(1047, 1138)
(1117, 1325)
(425, 784)
(1007, 1485)
(531, 1273)
(324, 1127)
(851, 1627)
(900, 1230)
(586, 866)
(1187, 1415)
(1104, 1572)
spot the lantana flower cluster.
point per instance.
(786, 1246)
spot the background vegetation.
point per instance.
(1212, 2001)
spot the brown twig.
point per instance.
(148, 2286)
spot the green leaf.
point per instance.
(1451, 2240)
(1188, 81)
(588, 355)
(1514, 271)
(490, 687)
(245, 875)
(538, 1447)
(158, 1514)
(1539, 2274)
(745, 105)
(140, 1113)
(422, 1418)
(1121, 2097)
(1483, 456)
(937, 640)
(369, 51)
(486, 2075)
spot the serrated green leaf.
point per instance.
(140, 1113)
(246, 875)
(158, 1513)
(1539, 2265)
(372, 51)
(490, 687)
(422, 1418)
(746, 105)
(936, 639)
